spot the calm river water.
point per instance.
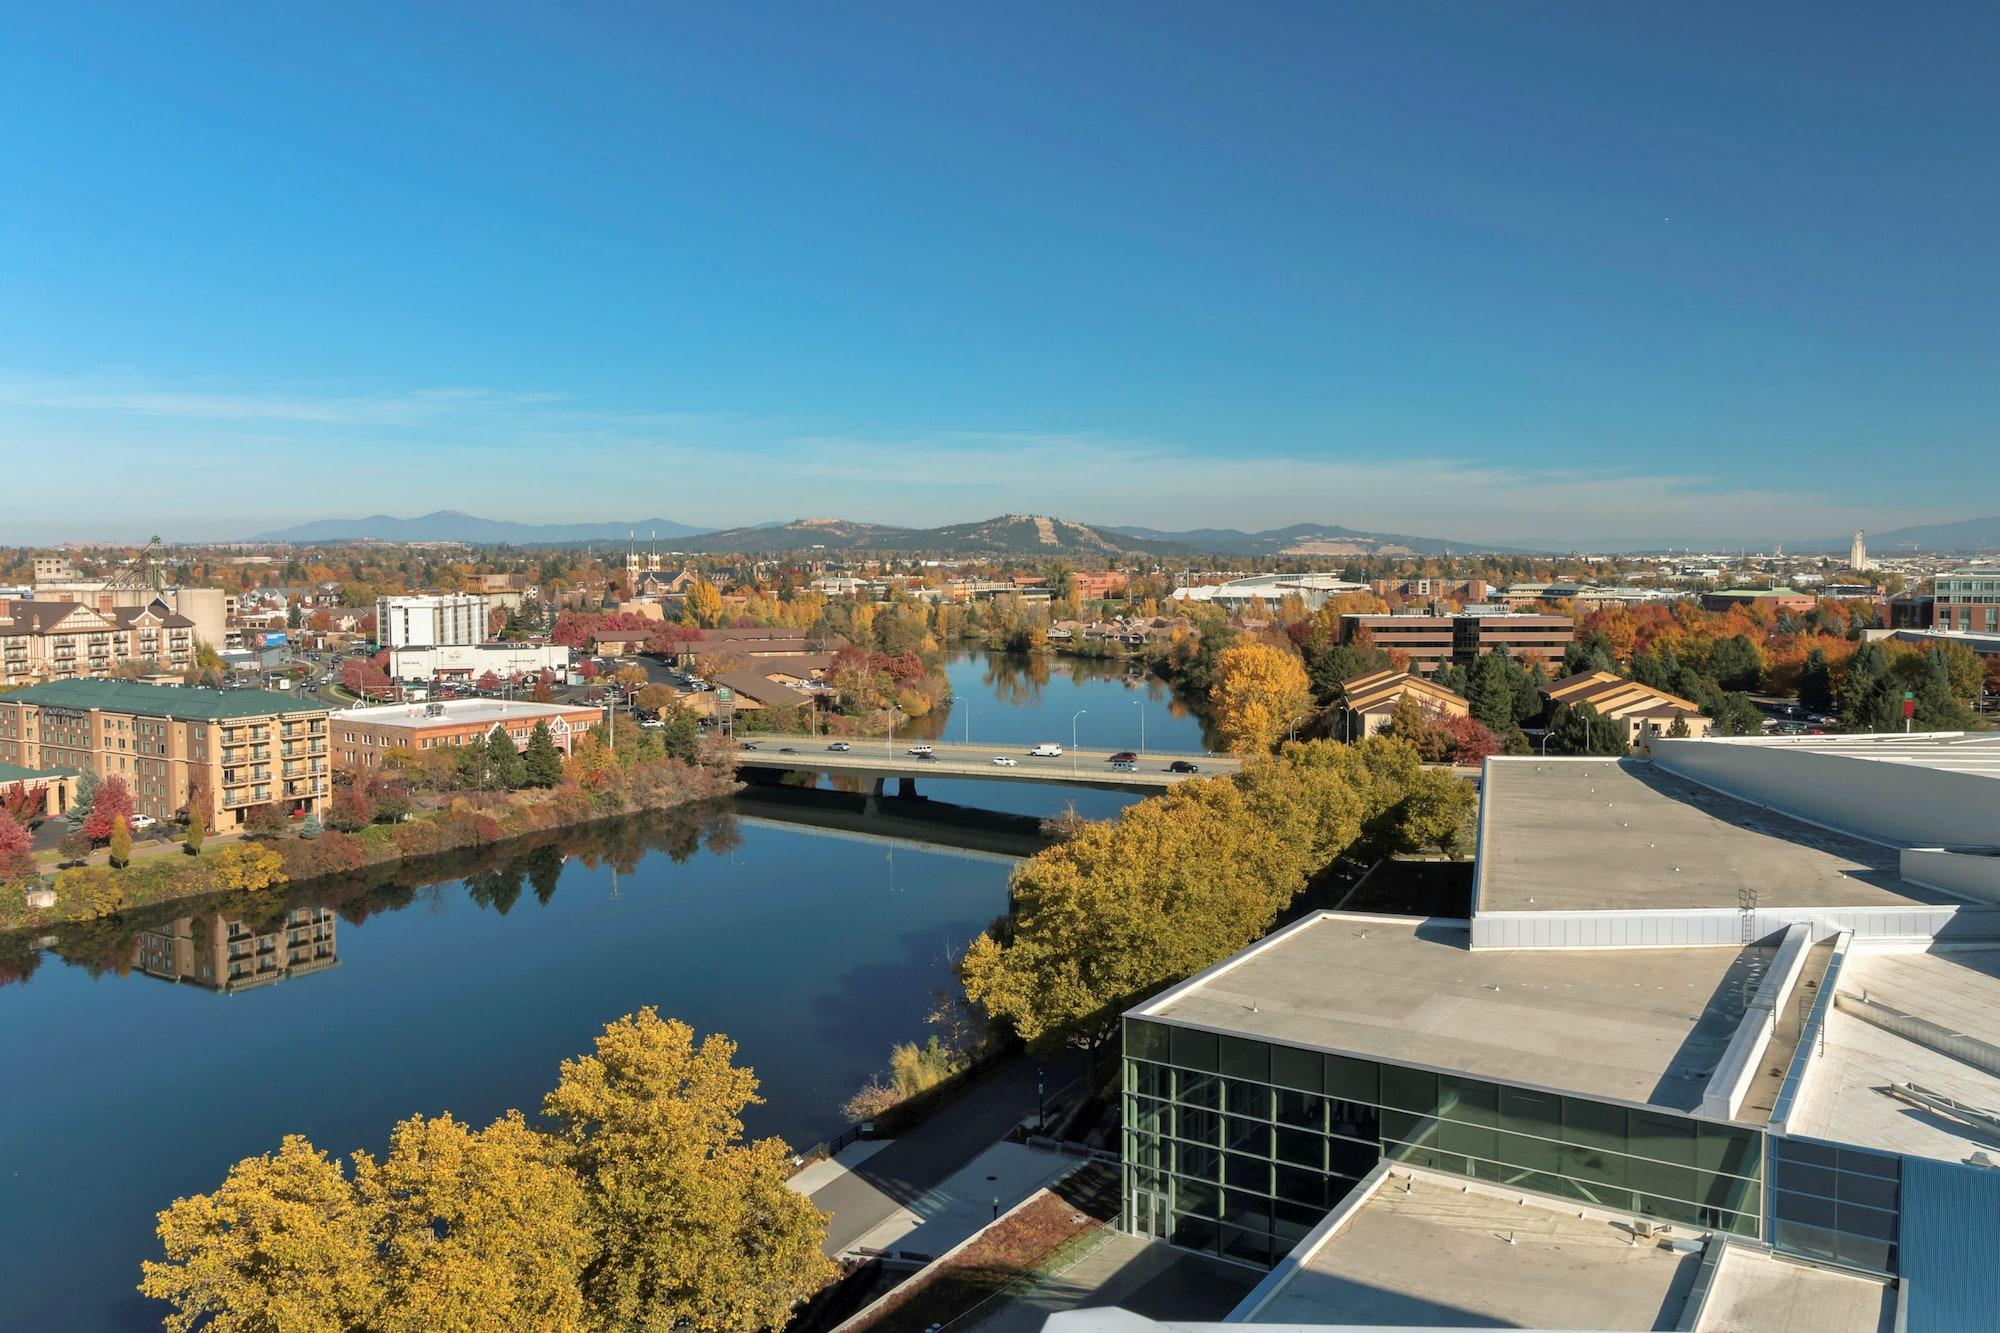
(125, 1088)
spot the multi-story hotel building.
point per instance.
(1429, 640)
(228, 956)
(1967, 600)
(363, 736)
(243, 748)
(70, 641)
(431, 622)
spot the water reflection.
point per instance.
(227, 955)
(1018, 699)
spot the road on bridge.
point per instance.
(880, 757)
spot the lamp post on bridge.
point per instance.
(1072, 737)
(1140, 704)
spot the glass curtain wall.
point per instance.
(1239, 1147)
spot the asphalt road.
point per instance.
(877, 755)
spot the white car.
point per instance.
(1046, 750)
(1006, 761)
(142, 821)
(921, 750)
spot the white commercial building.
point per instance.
(1312, 589)
(431, 622)
(470, 661)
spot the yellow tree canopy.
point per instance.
(1259, 691)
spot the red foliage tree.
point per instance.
(23, 805)
(1467, 741)
(489, 681)
(113, 801)
(17, 856)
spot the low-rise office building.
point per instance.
(1427, 641)
(1967, 600)
(171, 744)
(1779, 601)
(1368, 703)
(470, 661)
(1645, 712)
(362, 737)
(1716, 1049)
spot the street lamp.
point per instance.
(1072, 736)
(1140, 704)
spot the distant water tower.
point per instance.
(1857, 554)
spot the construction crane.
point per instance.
(139, 574)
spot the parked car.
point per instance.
(1124, 757)
(840, 747)
(142, 822)
(1182, 766)
(1006, 761)
(1046, 750)
(922, 751)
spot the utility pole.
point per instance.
(1140, 704)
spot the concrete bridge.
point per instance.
(879, 759)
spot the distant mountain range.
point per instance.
(1309, 539)
(449, 525)
(1036, 534)
(1972, 534)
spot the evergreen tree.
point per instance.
(541, 763)
(471, 762)
(1816, 683)
(1488, 691)
(1870, 699)
(504, 767)
(86, 796)
(1581, 729)
(1528, 701)
(1735, 663)
(1937, 708)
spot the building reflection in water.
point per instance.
(219, 954)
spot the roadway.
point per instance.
(873, 757)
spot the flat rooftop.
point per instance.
(1754, 1292)
(1842, 1098)
(1436, 1257)
(1641, 1026)
(1567, 835)
(459, 712)
(1973, 753)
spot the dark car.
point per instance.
(786, 749)
(747, 745)
(1124, 757)
(1182, 766)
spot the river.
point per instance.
(464, 988)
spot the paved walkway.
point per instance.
(970, 1198)
(891, 1180)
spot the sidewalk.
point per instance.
(870, 1189)
(969, 1199)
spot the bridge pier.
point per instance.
(906, 789)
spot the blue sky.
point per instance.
(1520, 273)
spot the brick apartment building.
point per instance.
(362, 737)
(1429, 640)
(244, 748)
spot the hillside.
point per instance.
(1010, 534)
(1307, 539)
(449, 525)
(1967, 535)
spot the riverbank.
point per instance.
(452, 821)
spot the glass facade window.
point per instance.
(1253, 1144)
(1835, 1203)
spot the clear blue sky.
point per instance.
(1514, 273)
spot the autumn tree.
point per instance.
(702, 604)
(121, 842)
(696, 1227)
(112, 802)
(485, 1230)
(247, 865)
(283, 1246)
(1259, 692)
(17, 856)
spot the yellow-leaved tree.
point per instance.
(1259, 692)
(702, 604)
(642, 1209)
(247, 865)
(698, 1227)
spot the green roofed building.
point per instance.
(237, 749)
